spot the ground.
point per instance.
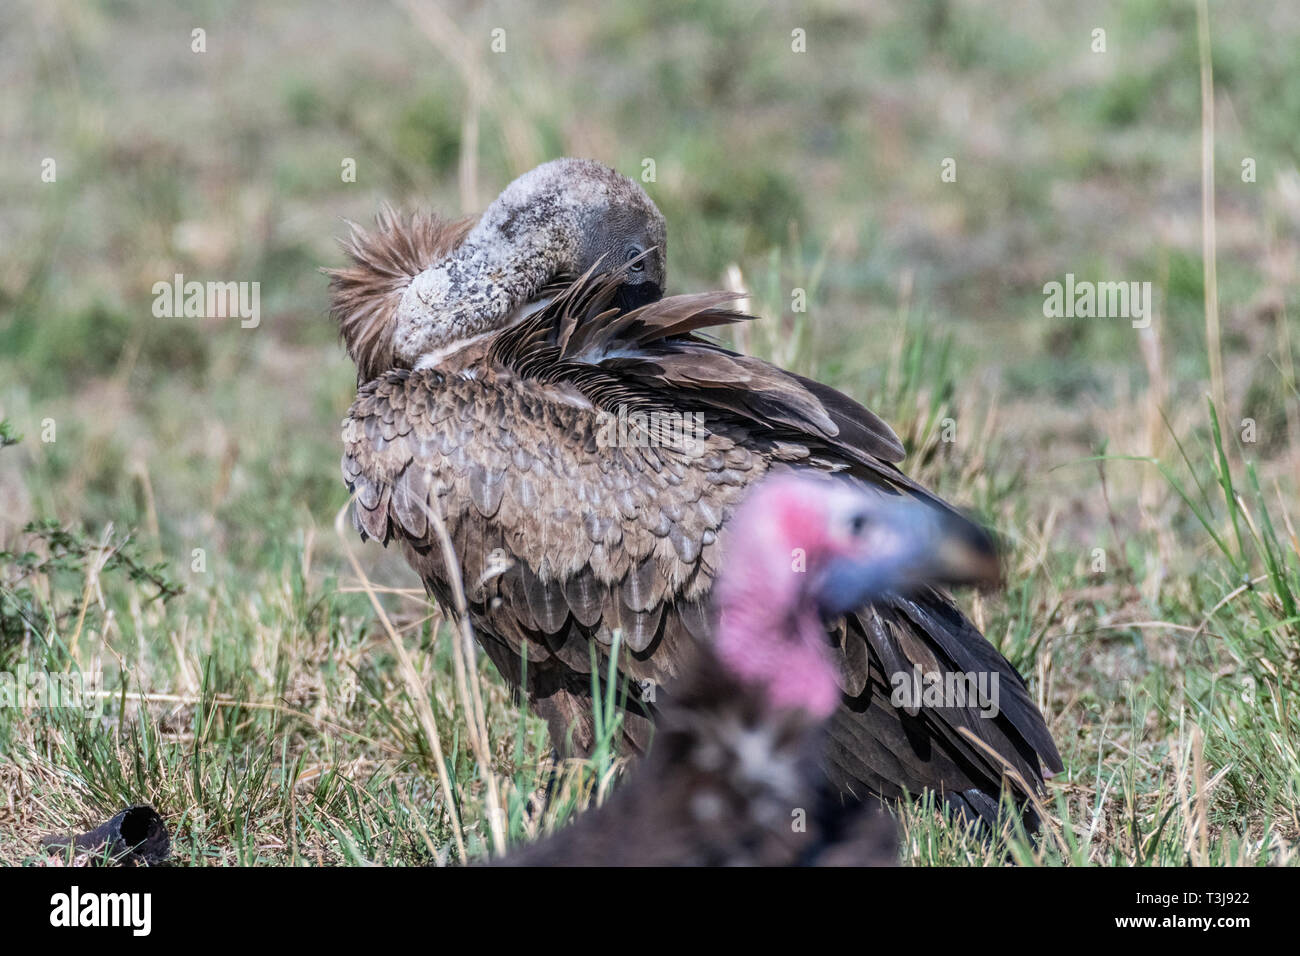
(171, 492)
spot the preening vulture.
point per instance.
(586, 445)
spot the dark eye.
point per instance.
(632, 253)
(858, 524)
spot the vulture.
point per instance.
(585, 441)
(732, 777)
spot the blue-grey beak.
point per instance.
(906, 546)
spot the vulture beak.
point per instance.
(900, 546)
(633, 296)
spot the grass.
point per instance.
(288, 735)
(171, 486)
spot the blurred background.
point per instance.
(821, 169)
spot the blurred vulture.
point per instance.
(585, 444)
(732, 776)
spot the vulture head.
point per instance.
(420, 289)
(804, 551)
(554, 222)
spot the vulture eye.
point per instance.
(632, 253)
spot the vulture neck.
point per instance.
(485, 283)
(770, 636)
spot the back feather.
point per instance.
(652, 357)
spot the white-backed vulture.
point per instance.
(586, 444)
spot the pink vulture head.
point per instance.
(803, 551)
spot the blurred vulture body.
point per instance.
(733, 776)
(585, 445)
(727, 782)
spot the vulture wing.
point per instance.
(585, 462)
